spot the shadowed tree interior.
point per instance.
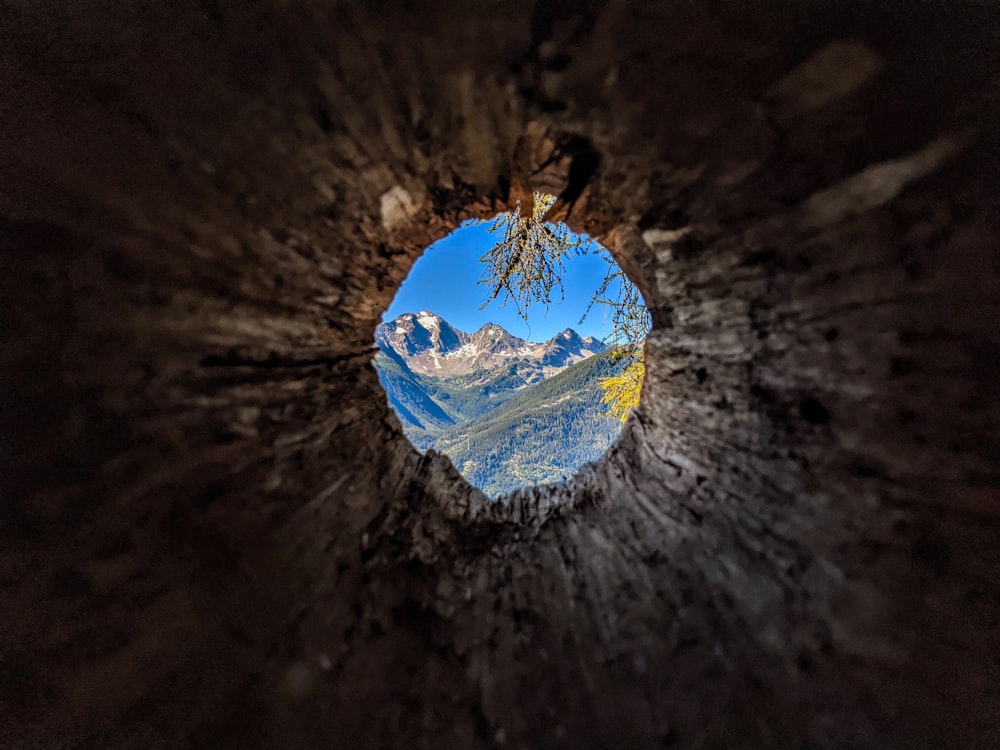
(213, 530)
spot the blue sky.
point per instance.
(445, 280)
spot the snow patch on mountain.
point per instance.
(429, 320)
(432, 346)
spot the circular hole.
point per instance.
(521, 369)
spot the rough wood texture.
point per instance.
(213, 531)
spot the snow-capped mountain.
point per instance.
(431, 346)
(508, 412)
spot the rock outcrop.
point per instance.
(213, 530)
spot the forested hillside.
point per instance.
(543, 434)
(425, 405)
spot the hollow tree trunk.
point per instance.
(215, 533)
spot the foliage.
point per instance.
(629, 325)
(621, 392)
(526, 265)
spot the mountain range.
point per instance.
(446, 386)
(433, 347)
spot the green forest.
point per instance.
(544, 432)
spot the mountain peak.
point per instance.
(428, 319)
(432, 346)
(492, 328)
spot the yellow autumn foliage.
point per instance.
(621, 392)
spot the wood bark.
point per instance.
(213, 530)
